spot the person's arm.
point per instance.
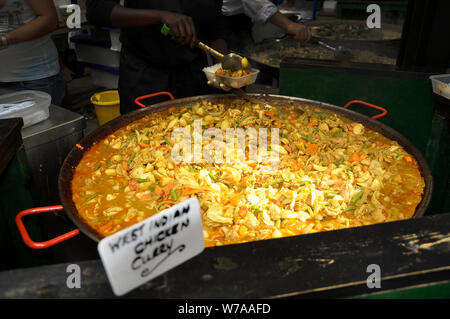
(299, 31)
(263, 11)
(110, 13)
(45, 22)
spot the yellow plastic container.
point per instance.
(107, 106)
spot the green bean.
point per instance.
(167, 141)
(256, 210)
(356, 198)
(215, 178)
(274, 182)
(152, 186)
(306, 138)
(173, 195)
(97, 166)
(131, 158)
(349, 209)
(140, 180)
(243, 118)
(91, 198)
(124, 147)
(338, 163)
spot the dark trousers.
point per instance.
(138, 78)
(54, 85)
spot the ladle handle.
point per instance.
(210, 50)
(165, 30)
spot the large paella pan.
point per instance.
(336, 169)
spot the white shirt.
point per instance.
(30, 60)
(258, 10)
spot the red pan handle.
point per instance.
(45, 244)
(137, 101)
(383, 113)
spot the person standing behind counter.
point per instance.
(151, 62)
(28, 56)
(240, 14)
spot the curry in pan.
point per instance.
(333, 173)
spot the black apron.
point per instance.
(151, 62)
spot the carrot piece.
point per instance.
(269, 113)
(219, 71)
(354, 157)
(216, 235)
(242, 211)
(338, 183)
(312, 149)
(133, 184)
(79, 146)
(236, 199)
(312, 122)
(159, 191)
(186, 191)
(296, 166)
(167, 188)
(287, 148)
(146, 197)
(107, 227)
(363, 156)
(407, 159)
(293, 225)
(143, 145)
(252, 165)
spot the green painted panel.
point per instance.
(432, 291)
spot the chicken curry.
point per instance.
(333, 173)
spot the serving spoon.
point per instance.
(340, 53)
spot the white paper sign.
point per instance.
(141, 252)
